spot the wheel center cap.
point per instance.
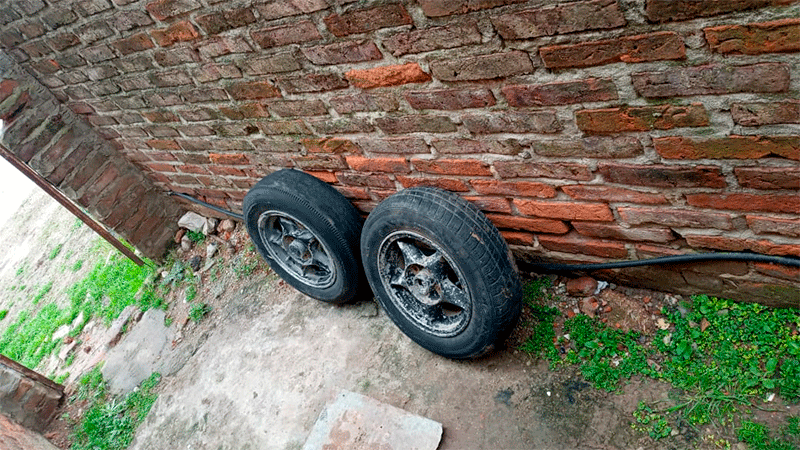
(422, 286)
(298, 250)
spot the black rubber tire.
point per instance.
(290, 197)
(477, 263)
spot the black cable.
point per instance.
(208, 205)
(695, 257)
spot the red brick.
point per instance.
(400, 146)
(312, 82)
(160, 167)
(464, 167)
(328, 177)
(561, 93)
(320, 162)
(768, 177)
(522, 169)
(730, 244)
(366, 180)
(278, 63)
(415, 124)
(436, 38)
(276, 9)
(160, 116)
(221, 21)
(290, 127)
(527, 224)
(214, 71)
(653, 251)
(490, 204)
(163, 144)
(355, 193)
(448, 184)
(582, 246)
(641, 118)
(136, 43)
(298, 108)
(599, 212)
(755, 38)
(470, 146)
(277, 145)
(343, 53)
(230, 159)
(191, 168)
(757, 114)
(483, 67)
(226, 171)
(777, 203)
(171, 78)
(174, 57)
(7, 88)
(561, 19)
(450, 99)
(513, 122)
(669, 10)
(738, 147)
(712, 79)
(361, 21)
(63, 41)
(331, 146)
(663, 176)
(613, 194)
(252, 90)
(222, 45)
(342, 125)
(513, 188)
(778, 271)
(244, 111)
(441, 8)
(590, 147)
(390, 165)
(364, 102)
(387, 76)
(673, 217)
(182, 31)
(662, 45)
(607, 231)
(295, 33)
(519, 238)
(774, 225)
(164, 9)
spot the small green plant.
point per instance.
(77, 265)
(55, 251)
(650, 422)
(198, 311)
(61, 378)
(20, 270)
(191, 292)
(76, 224)
(3, 314)
(44, 290)
(196, 236)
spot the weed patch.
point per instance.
(55, 251)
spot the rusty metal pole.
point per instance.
(68, 204)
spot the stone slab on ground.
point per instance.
(355, 421)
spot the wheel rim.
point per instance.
(296, 249)
(424, 284)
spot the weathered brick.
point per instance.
(136, 43)
(674, 217)
(230, 159)
(241, 111)
(778, 203)
(36, 49)
(399, 146)
(46, 66)
(583, 246)
(251, 90)
(565, 210)
(343, 53)
(63, 41)
(774, 225)
(163, 144)
(363, 20)
(387, 76)
(213, 72)
(755, 38)
(757, 114)
(31, 30)
(463, 167)
(491, 204)
(343, 125)
(160, 116)
(669, 10)
(220, 21)
(278, 63)
(415, 124)
(199, 114)
(97, 53)
(590, 147)
(29, 7)
(312, 82)
(290, 127)
(328, 177)
(371, 180)
(663, 176)
(222, 45)
(448, 184)
(164, 9)
(607, 231)
(521, 169)
(738, 147)
(732, 244)
(712, 79)
(58, 17)
(91, 7)
(354, 193)
(389, 165)
(284, 8)
(484, 67)
(133, 18)
(171, 78)
(768, 177)
(364, 102)
(778, 271)
(436, 38)
(561, 19)
(641, 118)
(331, 146)
(298, 108)
(513, 188)
(204, 94)
(470, 146)
(658, 46)
(561, 93)
(450, 99)
(441, 8)
(613, 194)
(513, 122)
(518, 238)
(295, 33)
(528, 224)
(182, 31)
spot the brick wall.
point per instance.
(27, 397)
(587, 130)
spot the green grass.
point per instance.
(198, 311)
(722, 357)
(55, 251)
(109, 423)
(44, 290)
(196, 236)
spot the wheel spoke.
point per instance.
(411, 254)
(454, 295)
